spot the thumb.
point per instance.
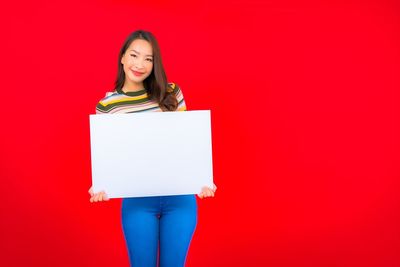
(90, 191)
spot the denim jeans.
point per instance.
(162, 225)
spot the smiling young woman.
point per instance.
(167, 222)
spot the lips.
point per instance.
(136, 73)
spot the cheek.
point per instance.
(149, 67)
(126, 69)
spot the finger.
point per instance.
(207, 193)
(105, 197)
(96, 197)
(90, 191)
(101, 198)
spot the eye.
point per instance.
(149, 59)
(133, 55)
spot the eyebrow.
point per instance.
(139, 53)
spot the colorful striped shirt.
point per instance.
(137, 101)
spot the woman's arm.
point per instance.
(205, 191)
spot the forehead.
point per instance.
(143, 47)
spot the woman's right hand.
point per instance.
(100, 196)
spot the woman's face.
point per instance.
(138, 61)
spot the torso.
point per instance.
(137, 101)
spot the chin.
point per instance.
(136, 79)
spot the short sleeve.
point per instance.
(101, 107)
(179, 96)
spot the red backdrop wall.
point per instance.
(304, 98)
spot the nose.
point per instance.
(139, 64)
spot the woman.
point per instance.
(141, 86)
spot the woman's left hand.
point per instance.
(207, 192)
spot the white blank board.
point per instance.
(151, 153)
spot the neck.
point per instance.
(129, 86)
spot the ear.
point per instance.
(123, 59)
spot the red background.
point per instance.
(305, 111)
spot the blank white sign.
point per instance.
(151, 153)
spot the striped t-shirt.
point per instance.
(138, 101)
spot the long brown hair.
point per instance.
(156, 83)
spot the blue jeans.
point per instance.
(167, 221)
